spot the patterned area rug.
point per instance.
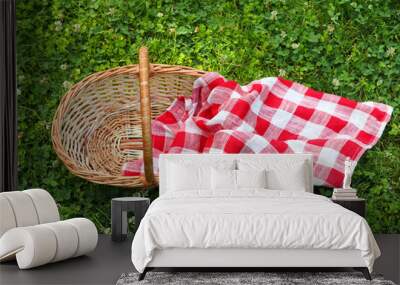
(236, 278)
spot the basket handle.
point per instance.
(145, 111)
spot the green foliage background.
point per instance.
(346, 47)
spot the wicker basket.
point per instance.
(102, 121)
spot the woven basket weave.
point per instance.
(105, 119)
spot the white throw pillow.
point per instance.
(183, 177)
(228, 179)
(251, 178)
(223, 179)
(289, 179)
(281, 175)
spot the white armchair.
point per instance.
(31, 230)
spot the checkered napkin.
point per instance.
(271, 115)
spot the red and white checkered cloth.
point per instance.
(271, 115)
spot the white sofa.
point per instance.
(31, 231)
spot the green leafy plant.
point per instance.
(347, 47)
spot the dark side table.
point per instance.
(119, 218)
(356, 205)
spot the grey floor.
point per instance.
(110, 260)
(389, 262)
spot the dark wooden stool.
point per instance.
(119, 218)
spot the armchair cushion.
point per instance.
(31, 232)
(26, 208)
(40, 244)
